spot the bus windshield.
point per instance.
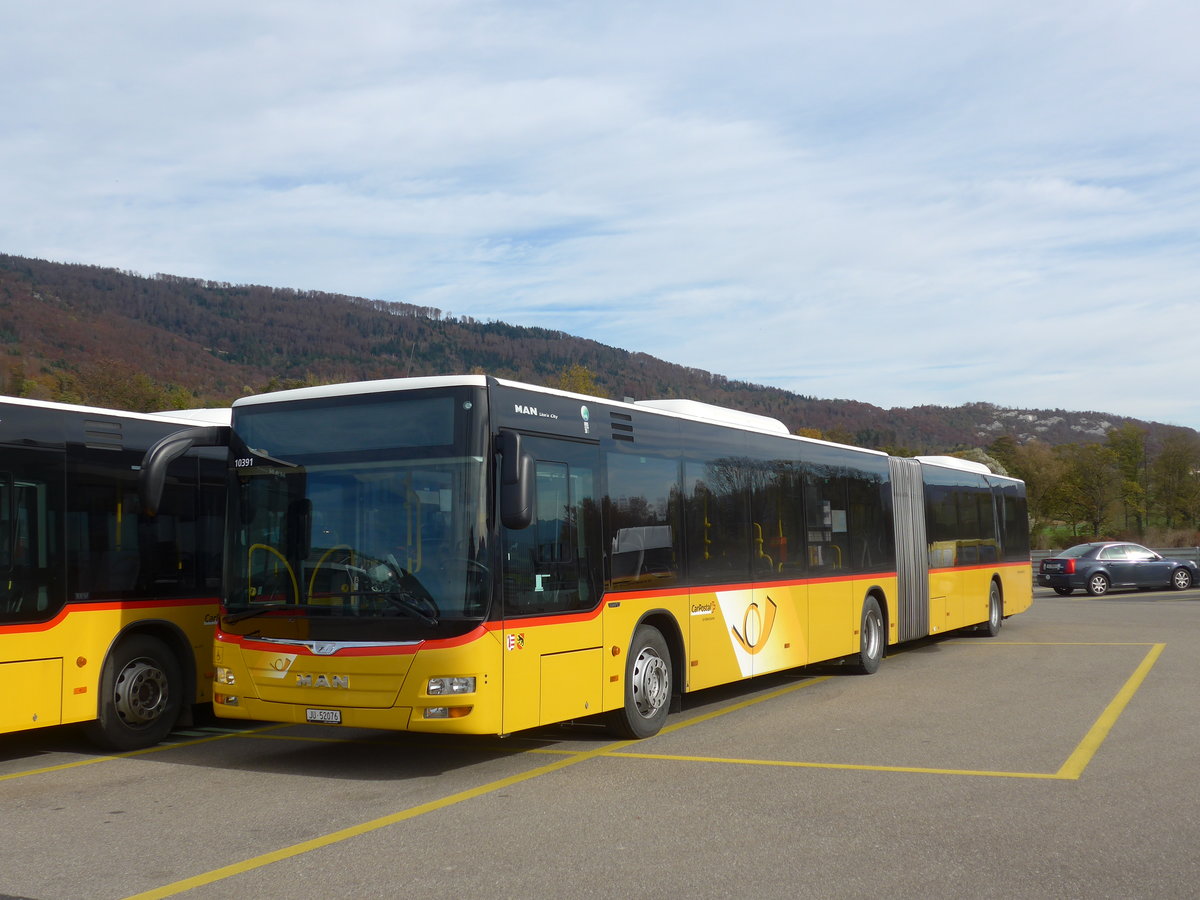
(365, 520)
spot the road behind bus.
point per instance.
(1057, 760)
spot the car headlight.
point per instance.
(225, 676)
(455, 684)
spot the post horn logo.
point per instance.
(756, 627)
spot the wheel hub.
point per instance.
(651, 683)
(873, 635)
(140, 692)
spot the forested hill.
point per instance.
(86, 334)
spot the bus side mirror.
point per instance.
(153, 475)
(516, 482)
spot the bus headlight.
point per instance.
(464, 684)
(225, 676)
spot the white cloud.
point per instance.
(931, 204)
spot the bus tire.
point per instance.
(872, 636)
(647, 686)
(141, 694)
(995, 619)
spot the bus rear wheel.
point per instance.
(872, 636)
(995, 618)
(141, 694)
(647, 686)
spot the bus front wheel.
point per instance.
(871, 638)
(647, 686)
(141, 694)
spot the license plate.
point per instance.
(325, 716)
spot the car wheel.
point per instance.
(1181, 579)
(1097, 584)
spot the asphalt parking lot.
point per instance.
(1056, 760)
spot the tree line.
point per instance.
(1132, 485)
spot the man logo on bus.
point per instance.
(756, 627)
(323, 681)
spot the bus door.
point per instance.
(31, 588)
(945, 591)
(833, 605)
(553, 632)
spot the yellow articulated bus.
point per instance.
(472, 555)
(106, 615)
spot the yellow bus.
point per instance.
(106, 615)
(473, 555)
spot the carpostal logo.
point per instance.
(707, 608)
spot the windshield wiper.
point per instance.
(405, 603)
(231, 618)
(397, 600)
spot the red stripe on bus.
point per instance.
(978, 566)
(86, 606)
(621, 596)
(299, 649)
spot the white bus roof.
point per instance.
(354, 388)
(707, 412)
(216, 416)
(686, 409)
(212, 416)
(953, 462)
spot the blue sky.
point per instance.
(938, 202)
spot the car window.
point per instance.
(1135, 552)
(1076, 551)
(1115, 552)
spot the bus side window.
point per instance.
(7, 536)
(30, 577)
(716, 492)
(828, 526)
(642, 521)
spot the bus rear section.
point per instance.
(106, 614)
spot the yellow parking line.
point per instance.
(336, 837)
(724, 710)
(1071, 770)
(1091, 742)
(791, 764)
(344, 834)
(157, 748)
